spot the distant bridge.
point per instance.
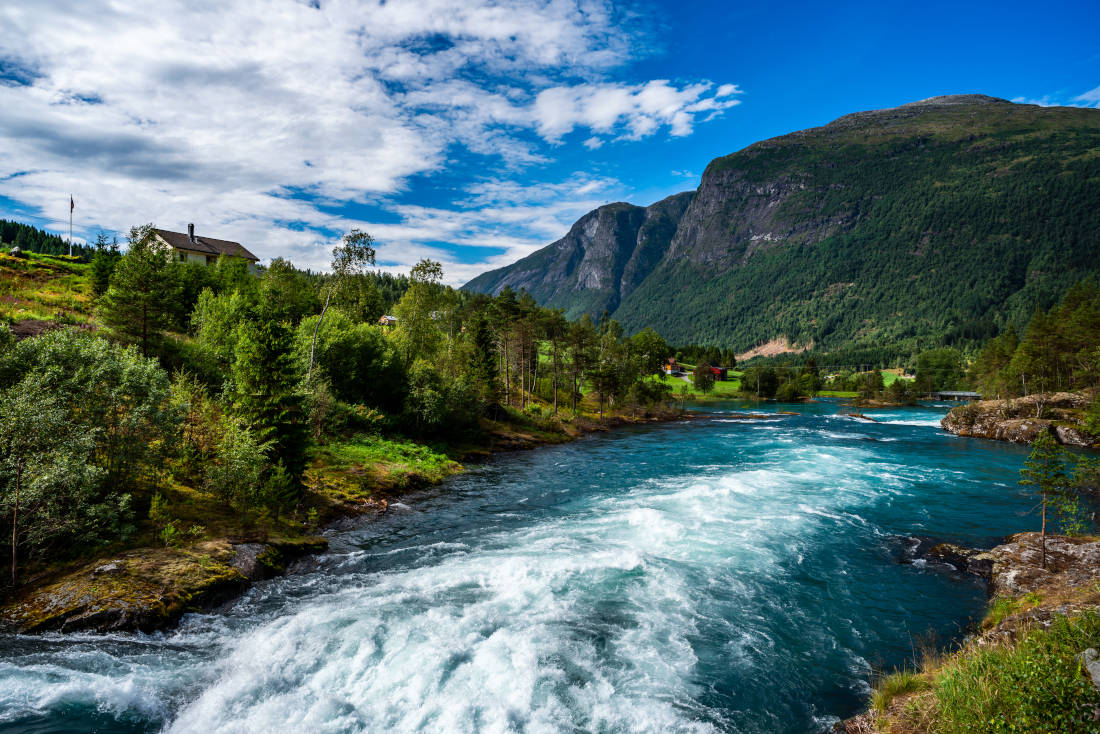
(955, 395)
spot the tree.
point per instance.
(1045, 470)
(138, 302)
(103, 263)
(702, 378)
(653, 351)
(265, 390)
(349, 258)
(871, 384)
(939, 369)
(482, 363)
(359, 363)
(116, 396)
(416, 312)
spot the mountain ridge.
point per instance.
(946, 218)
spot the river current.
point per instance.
(717, 575)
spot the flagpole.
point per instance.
(71, 207)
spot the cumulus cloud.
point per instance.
(627, 111)
(268, 121)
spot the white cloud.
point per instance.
(626, 111)
(249, 117)
(1091, 97)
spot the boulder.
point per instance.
(1018, 570)
(1018, 420)
(966, 560)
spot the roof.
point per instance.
(209, 245)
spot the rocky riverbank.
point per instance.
(1020, 420)
(1025, 596)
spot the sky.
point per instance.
(472, 132)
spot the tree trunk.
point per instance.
(507, 374)
(1043, 534)
(555, 348)
(15, 527)
(317, 328)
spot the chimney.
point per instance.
(191, 232)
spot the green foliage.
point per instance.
(33, 239)
(702, 378)
(103, 263)
(434, 405)
(138, 304)
(1034, 685)
(870, 384)
(1058, 350)
(51, 492)
(760, 380)
(1046, 469)
(235, 473)
(215, 320)
(356, 359)
(940, 369)
(119, 397)
(417, 310)
(897, 684)
(902, 392)
(265, 389)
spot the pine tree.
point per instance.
(1045, 469)
(265, 390)
(137, 305)
(103, 263)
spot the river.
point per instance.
(718, 575)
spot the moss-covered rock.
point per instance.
(143, 589)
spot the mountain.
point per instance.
(603, 258)
(938, 222)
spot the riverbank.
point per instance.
(147, 587)
(1020, 420)
(1023, 664)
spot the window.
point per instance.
(210, 259)
(183, 257)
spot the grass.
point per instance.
(897, 684)
(1030, 683)
(1003, 607)
(45, 288)
(837, 394)
(353, 470)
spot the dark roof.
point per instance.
(180, 241)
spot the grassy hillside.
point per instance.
(943, 228)
(37, 287)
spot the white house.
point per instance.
(205, 250)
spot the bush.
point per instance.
(236, 474)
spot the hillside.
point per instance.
(937, 222)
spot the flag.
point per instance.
(72, 204)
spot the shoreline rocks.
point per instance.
(1021, 420)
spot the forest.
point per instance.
(233, 386)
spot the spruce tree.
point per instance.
(265, 390)
(137, 306)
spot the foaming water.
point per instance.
(711, 576)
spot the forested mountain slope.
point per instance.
(940, 221)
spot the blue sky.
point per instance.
(471, 133)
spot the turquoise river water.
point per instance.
(718, 575)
